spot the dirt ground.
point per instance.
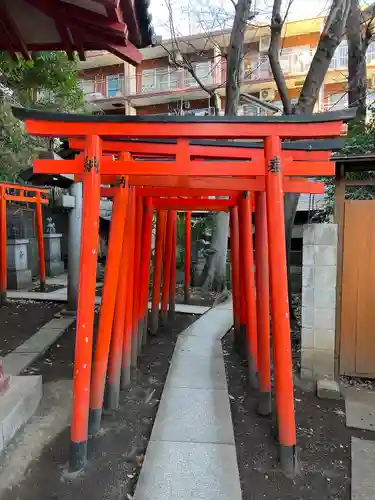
(116, 455)
(198, 297)
(323, 443)
(19, 319)
(47, 288)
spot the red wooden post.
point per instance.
(167, 265)
(235, 264)
(246, 242)
(263, 305)
(107, 307)
(127, 345)
(172, 293)
(137, 273)
(117, 341)
(86, 304)
(3, 248)
(40, 236)
(187, 262)
(160, 227)
(279, 306)
(132, 288)
(145, 264)
(240, 340)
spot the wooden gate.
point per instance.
(357, 344)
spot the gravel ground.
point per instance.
(20, 319)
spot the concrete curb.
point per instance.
(18, 405)
(34, 347)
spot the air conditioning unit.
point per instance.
(264, 43)
(267, 95)
(186, 104)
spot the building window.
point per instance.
(87, 86)
(370, 54)
(337, 101)
(279, 104)
(203, 70)
(253, 110)
(295, 60)
(114, 85)
(340, 57)
(255, 68)
(159, 79)
(249, 68)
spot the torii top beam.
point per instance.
(299, 150)
(321, 125)
(184, 129)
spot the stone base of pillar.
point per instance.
(54, 268)
(19, 280)
(52, 249)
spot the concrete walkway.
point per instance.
(363, 469)
(360, 414)
(191, 454)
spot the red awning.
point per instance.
(119, 26)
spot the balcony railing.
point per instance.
(256, 68)
(184, 112)
(165, 79)
(108, 88)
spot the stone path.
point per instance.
(360, 408)
(191, 454)
(360, 414)
(363, 469)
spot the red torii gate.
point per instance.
(300, 151)
(24, 194)
(270, 203)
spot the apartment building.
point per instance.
(157, 86)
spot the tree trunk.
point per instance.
(235, 57)
(217, 270)
(216, 276)
(274, 57)
(290, 210)
(357, 71)
(329, 40)
(214, 103)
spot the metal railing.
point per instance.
(164, 79)
(184, 112)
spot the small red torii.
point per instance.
(33, 196)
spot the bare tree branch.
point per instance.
(235, 56)
(274, 56)
(357, 71)
(329, 40)
(368, 13)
